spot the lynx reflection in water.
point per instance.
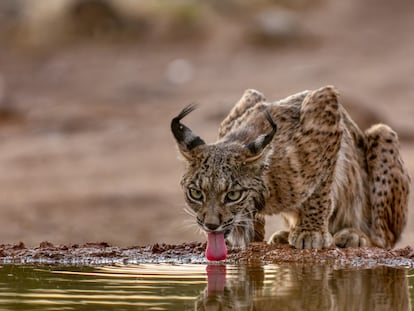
(306, 287)
(201, 287)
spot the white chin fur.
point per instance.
(241, 236)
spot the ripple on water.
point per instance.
(205, 287)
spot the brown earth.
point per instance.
(86, 152)
(255, 253)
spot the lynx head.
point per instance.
(223, 182)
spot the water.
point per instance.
(205, 287)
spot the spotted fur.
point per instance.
(332, 183)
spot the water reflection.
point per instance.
(143, 287)
(200, 287)
(305, 287)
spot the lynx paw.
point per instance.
(306, 239)
(279, 237)
(351, 237)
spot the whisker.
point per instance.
(189, 211)
(245, 212)
(242, 218)
(190, 224)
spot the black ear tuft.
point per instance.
(257, 146)
(183, 135)
(268, 138)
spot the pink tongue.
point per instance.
(216, 246)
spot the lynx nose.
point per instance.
(211, 220)
(211, 226)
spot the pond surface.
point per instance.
(205, 287)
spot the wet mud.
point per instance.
(257, 253)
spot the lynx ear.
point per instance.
(185, 138)
(257, 147)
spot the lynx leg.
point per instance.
(351, 237)
(389, 185)
(279, 237)
(318, 145)
(259, 228)
(311, 231)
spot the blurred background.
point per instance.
(88, 89)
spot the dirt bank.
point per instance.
(256, 253)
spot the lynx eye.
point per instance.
(195, 194)
(233, 196)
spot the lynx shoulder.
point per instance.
(304, 158)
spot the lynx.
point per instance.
(304, 158)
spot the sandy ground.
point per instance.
(86, 151)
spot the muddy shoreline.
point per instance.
(257, 253)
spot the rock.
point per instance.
(46, 245)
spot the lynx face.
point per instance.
(224, 191)
(223, 182)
